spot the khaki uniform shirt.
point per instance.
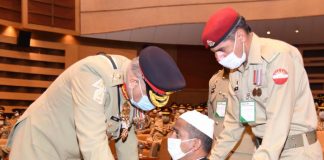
(72, 118)
(282, 109)
(218, 91)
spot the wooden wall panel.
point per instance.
(25, 73)
(10, 10)
(18, 96)
(63, 23)
(43, 1)
(30, 70)
(24, 82)
(40, 8)
(63, 12)
(118, 15)
(314, 65)
(40, 19)
(197, 64)
(31, 56)
(65, 3)
(53, 13)
(14, 5)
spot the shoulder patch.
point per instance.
(280, 76)
(99, 93)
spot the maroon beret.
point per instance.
(219, 25)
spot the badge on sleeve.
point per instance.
(280, 76)
(247, 111)
(220, 109)
(99, 93)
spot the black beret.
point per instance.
(160, 71)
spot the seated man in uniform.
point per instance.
(192, 137)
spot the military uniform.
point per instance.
(269, 91)
(88, 104)
(74, 114)
(283, 109)
(218, 91)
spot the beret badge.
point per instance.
(210, 43)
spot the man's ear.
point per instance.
(197, 144)
(132, 82)
(241, 35)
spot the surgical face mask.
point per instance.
(144, 103)
(175, 149)
(231, 61)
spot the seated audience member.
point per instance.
(192, 137)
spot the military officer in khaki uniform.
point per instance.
(217, 104)
(269, 91)
(91, 102)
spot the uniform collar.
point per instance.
(255, 50)
(254, 56)
(118, 75)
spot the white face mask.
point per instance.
(175, 149)
(144, 103)
(231, 61)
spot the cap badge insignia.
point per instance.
(210, 43)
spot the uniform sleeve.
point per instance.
(232, 132)
(209, 105)
(88, 94)
(128, 150)
(280, 107)
(212, 86)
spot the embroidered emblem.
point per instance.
(280, 76)
(210, 43)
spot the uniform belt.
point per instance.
(295, 141)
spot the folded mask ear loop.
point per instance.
(234, 44)
(190, 151)
(134, 88)
(139, 83)
(132, 93)
(243, 49)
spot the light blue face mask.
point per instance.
(144, 103)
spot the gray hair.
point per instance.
(135, 67)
